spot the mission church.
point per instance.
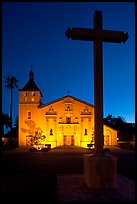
(65, 121)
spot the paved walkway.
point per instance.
(71, 188)
(66, 149)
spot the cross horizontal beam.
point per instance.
(87, 34)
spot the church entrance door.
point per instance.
(68, 140)
(106, 140)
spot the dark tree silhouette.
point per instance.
(11, 83)
(115, 122)
(126, 130)
(6, 120)
(16, 122)
(15, 128)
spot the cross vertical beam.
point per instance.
(98, 36)
(98, 84)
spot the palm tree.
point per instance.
(11, 83)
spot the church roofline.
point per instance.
(77, 99)
(111, 128)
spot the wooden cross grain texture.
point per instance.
(98, 36)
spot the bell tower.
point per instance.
(30, 98)
(30, 93)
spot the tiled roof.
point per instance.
(31, 85)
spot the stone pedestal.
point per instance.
(100, 171)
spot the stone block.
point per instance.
(100, 171)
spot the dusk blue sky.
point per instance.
(34, 33)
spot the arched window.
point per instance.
(76, 119)
(33, 96)
(68, 108)
(25, 96)
(60, 120)
(68, 119)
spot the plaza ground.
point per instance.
(57, 176)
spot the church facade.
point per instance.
(65, 121)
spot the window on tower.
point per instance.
(33, 96)
(25, 96)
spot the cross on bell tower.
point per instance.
(31, 74)
(68, 92)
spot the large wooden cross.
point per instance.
(98, 36)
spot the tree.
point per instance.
(109, 120)
(15, 128)
(126, 130)
(13, 141)
(16, 122)
(11, 83)
(5, 121)
(115, 122)
(37, 138)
